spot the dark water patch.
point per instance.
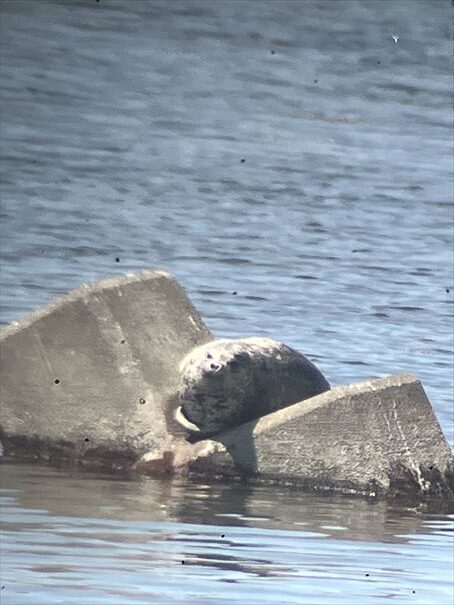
(324, 331)
(212, 292)
(409, 309)
(259, 567)
(402, 187)
(305, 277)
(234, 261)
(443, 364)
(398, 282)
(355, 362)
(257, 298)
(195, 258)
(216, 137)
(254, 201)
(288, 169)
(317, 256)
(194, 10)
(375, 268)
(86, 251)
(381, 197)
(32, 285)
(421, 271)
(406, 88)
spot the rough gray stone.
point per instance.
(89, 374)
(375, 437)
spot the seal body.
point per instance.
(225, 383)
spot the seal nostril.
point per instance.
(215, 367)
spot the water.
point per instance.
(290, 163)
(92, 540)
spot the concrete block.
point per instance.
(89, 374)
(371, 438)
(92, 377)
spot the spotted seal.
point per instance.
(225, 383)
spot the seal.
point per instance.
(225, 383)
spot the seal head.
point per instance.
(225, 383)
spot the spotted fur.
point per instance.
(225, 383)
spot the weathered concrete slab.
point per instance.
(91, 378)
(88, 375)
(375, 437)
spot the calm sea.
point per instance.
(290, 162)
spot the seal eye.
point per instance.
(209, 356)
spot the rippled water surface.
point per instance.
(89, 540)
(290, 163)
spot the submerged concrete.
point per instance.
(88, 376)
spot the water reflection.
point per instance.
(81, 538)
(39, 488)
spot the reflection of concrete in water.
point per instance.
(108, 497)
(263, 568)
(289, 509)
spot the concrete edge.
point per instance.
(221, 458)
(318, 401)
(79, 292)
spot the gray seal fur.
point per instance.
(225, 383)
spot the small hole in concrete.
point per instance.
(182, 562)
(367, 575)
(222, 535)
(87, 440)
(142, 400)
(122, 342)
(117, 260)
(57, 381)
(242, 160)
(234, 293)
